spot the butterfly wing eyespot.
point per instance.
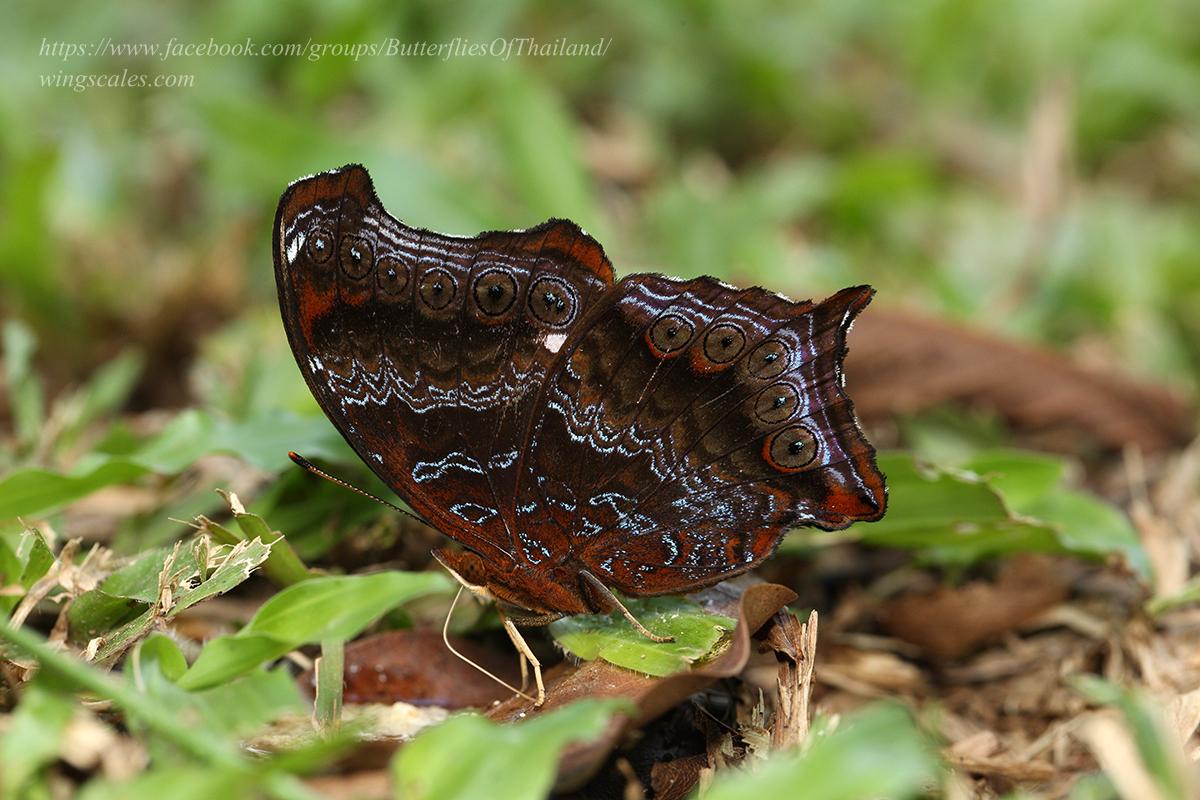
(495, 292)
(776, 403)
(437, 289)
(724, 342)
(356, 256)
(770, 359)
(669, 334)
(552, 301)
(392, 274)
(791, 449)
(319, 244)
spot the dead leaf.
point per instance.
(415, 667)
(902, 364)
(951, 621)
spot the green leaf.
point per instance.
(236, 565)
(1021, 477)
(315, 610)
(246, 704)
(35, 491)
(695, 632)
(122, 597)
(877, 752)
(229, 656)
(1009, 502)
(469, 756)
(283, 566)
(161, 651)
(119, 597)
(139, 580)
(36, 555)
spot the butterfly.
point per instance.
(577, 435)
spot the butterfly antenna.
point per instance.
(308, 466)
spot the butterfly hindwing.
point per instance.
(722, 423)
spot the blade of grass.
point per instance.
(330, 667)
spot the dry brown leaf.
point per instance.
(902, 364)
(415, 667)
(949, 622)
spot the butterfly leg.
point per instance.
(606, 594)
(450, 647)
(526, 655)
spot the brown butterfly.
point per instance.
(574, 434)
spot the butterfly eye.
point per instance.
(552, 301)
(769, 359)
(495, 292)
(320, 245)
(776, 403)
(392, 275)
(356, 256)
(670, 334)
(791, 449)
(437, 289)
(724, 343)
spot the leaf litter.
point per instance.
(985, 654)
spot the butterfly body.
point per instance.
(574, 434)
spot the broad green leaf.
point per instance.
(1087, 525)
(877, 752)
(96, 613)
(139, 580)
(1019, 476)
(246, 704)
(1007, 502)
(695, 632)
(469, 756)
(315, 610)
(121, 598)
(229, 656)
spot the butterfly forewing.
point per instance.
(426, 350)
